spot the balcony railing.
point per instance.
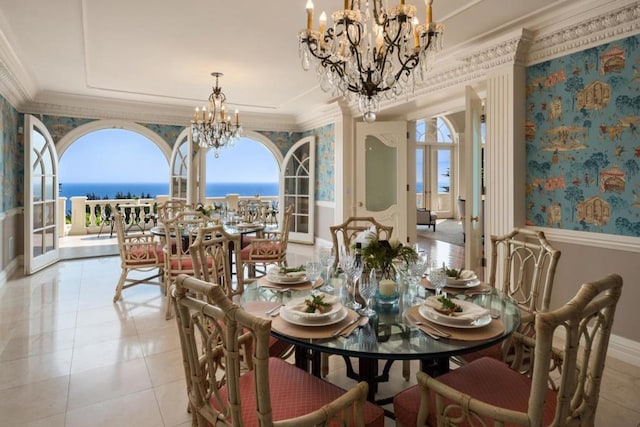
(93, 216)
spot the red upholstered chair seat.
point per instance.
(295, 393)
(140, 255)
(486, 379)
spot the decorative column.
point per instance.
(78, 215)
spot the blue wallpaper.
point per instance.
(11, 162)
(583, 140)
(325, 156)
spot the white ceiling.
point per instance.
(163, 51)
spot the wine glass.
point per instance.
(368, 290)
(327, 258)
(353, 269)
(437, 277)
(314, 270)
(416, 271)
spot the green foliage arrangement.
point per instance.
(380, 254)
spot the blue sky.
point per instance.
(117, 155)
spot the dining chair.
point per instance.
(343, 236)
(223, 390)
(270, 248)
(138, 253)
(560, 388)
(180, 232)
(215, 254)
(171, 208)
(527, 263)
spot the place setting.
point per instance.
(302, 278)
(453, 318)
(453, 281)
(318, 315)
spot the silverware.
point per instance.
(427, 327)
(275, 309)
(342, 329)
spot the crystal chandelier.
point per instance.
(370, 51)
(211, 128)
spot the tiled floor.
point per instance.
(70, 357)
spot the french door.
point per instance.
(473, 182)
(434, 184)
(381, 179)
(180, 167)
(297, 188)
(40, 197)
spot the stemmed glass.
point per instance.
(368, 290)
(353, 270)
(314, 270)
(437, 277)
(327, 258)
(416, 271)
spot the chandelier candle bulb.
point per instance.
(310, 15)
(323, 23)
(428, 4)
(416, 35)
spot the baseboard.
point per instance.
(625, 350)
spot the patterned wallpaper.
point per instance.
(583, 140)
(325, 154)
(12, 155)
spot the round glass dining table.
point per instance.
(387, 335)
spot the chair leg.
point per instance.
(324, 364)
(168, 314)
(120, 285)
(406, 370)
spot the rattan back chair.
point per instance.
(560, 388)
(215, 336)
(138, 252)
(343, 235)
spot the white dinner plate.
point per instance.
(472, 283)
(286, 280)
(334, 318)
(453, 282)
(296, 307)
(452, 322)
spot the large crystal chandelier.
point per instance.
(370, 51)
(212, 128)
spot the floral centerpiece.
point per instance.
(381, 254)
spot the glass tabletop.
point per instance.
(388, 335)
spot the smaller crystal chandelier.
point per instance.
(211, 128)
(370, 51)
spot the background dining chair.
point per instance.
(138, 253)
(560, 388)
(271, 248)
(180, 232)
(224, 391)
(170, 208)
(527, 263)
(343, 236)
(215, 255)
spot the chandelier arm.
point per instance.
(379, 17)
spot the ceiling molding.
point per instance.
(600, 27)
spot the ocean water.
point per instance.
(109, 190)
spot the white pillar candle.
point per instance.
(387, 287)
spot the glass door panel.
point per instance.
(298, 189)
(380, 174)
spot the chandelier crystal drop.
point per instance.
(371, 51)
(211, 128)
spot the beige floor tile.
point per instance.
(138, 409)
(172, 399)
(160, 340)
(31, 402)
(54, 421)
(41, 324)
(104, 314)
(32, 345)
(34, 369)
(107, 383)
(106, 353)
(106, 331)
(165, 367)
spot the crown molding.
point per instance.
(67, 105)
(323, 115)
(602, 25)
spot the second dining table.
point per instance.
(392, 334)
